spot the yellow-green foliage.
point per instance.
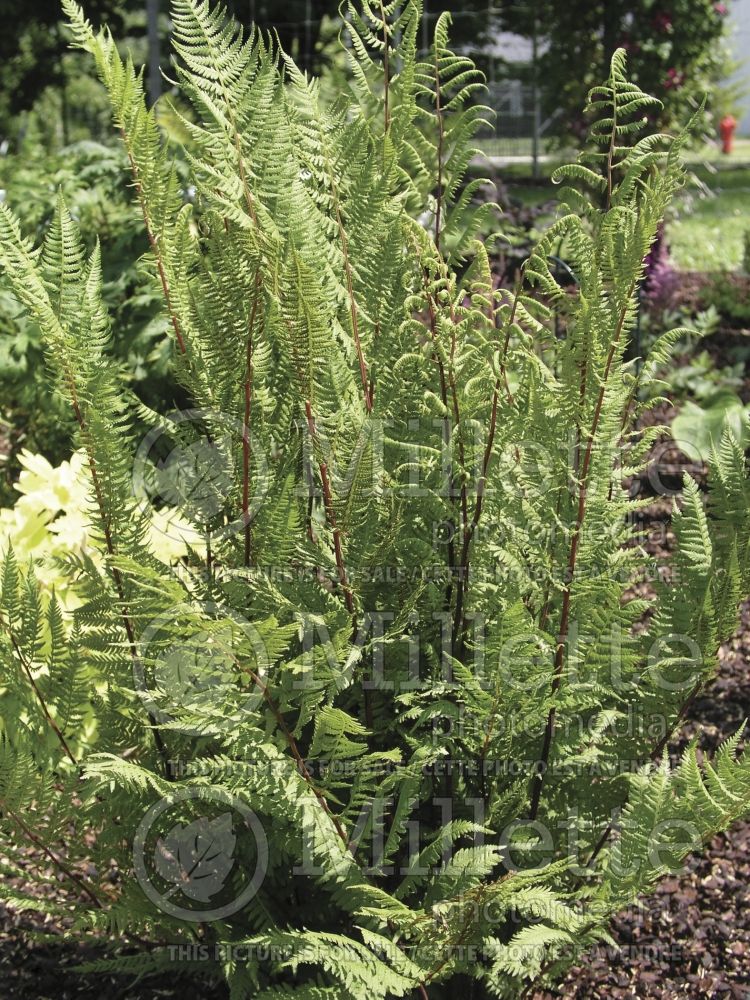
(416, 545)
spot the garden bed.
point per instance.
(691, 938)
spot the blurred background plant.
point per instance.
(49, 523)
(93, 179)
(677, 49)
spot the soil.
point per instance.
(692, 937)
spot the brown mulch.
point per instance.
(48, 972)
(692, 937)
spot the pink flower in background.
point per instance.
(721, 9)
(674, 79)
(662, 21)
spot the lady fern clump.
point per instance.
(394, 719)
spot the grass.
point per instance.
(712, 215)
(709, 231)
(709, 157)
(711, 154)
(514, 146)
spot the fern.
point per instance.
(401, 645)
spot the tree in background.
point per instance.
(676, 48)
(32, 46)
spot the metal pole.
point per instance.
(490, 48)
(64, 108)
(308, 37)
(397, 40)
(491, 27)
(535, 98)
(154, 50)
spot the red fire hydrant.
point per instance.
(727, 125)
